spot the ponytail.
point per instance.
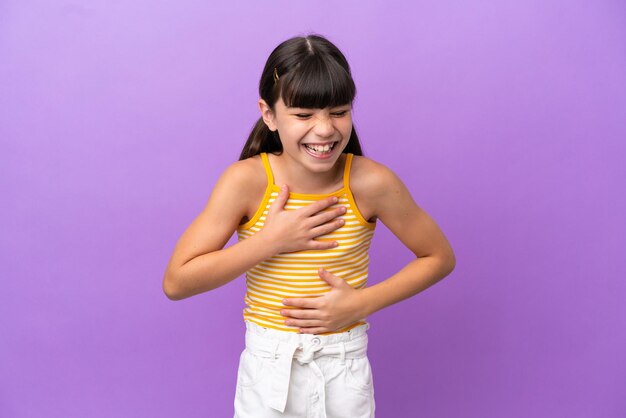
(307, 72)
(261, 139)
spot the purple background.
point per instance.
(506, 120)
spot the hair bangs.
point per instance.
(308, 72)
(318, 84)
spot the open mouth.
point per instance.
(320, 150)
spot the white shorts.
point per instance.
(331, 376)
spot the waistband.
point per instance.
(274, 334)
(283, 347)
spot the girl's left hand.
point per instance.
(340, 307)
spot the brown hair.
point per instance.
(314, 74)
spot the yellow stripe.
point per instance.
(267, 291)
(296, 274)
(289, 292)
(294, 266)
(307, 284)
(311, 271)
(300, 284)
(281, 278)
(295, 257)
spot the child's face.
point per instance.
(328, 130)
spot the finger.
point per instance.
(321, 245)
(325, 216)
(281, 199)
(327, 227)
(301, 302)
(331, 279)
(299, 313)
(313, 208)
(303, 323)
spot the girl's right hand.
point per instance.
(295, 230)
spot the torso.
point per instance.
(296, 273)
(361, 170)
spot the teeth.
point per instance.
(319, 148)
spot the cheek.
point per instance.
(346, 128)
(290, 135)
(295, 132)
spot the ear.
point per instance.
(267, 115)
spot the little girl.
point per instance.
(304, 246)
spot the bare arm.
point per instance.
(216, 268)
(197, 265)
(382, 192)
(199, 262)
(434, 256)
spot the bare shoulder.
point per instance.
(245, 173)
(382, 194)
(371, 181)
(226, 207)
(247, 178)
(369, 176)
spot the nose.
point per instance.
(324, 126)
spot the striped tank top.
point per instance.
(295, 274)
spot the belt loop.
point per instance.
(275, 350)
(342, 348)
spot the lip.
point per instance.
(319, 143)
(321, 157)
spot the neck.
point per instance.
(308, 181)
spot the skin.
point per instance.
(297, 126)
(200, 263)
(379, 194)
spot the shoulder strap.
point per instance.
(346, 171)
(268, 169)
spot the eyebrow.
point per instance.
(309, 108)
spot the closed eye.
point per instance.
(336, 114)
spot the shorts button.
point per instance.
(315, 341)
